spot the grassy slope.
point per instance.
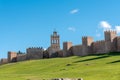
(102, 67)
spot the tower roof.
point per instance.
(54, 32)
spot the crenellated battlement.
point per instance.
(88, 46)
(110, 31)
(35, 48)
(110, 35)
(99, 46)
(35, 53)
(100, 41)
(86, 37)
(87, 40)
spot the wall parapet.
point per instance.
(111, 31)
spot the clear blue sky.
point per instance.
(27, 23)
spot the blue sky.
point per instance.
(29, 23)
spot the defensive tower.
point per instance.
(86, 41)
(110, 35)
(66, 48)
(109, 38)
(12, 56)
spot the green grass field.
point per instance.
(95, 67)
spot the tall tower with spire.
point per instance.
(55, 43)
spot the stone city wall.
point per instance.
(114, 45)
(21, 57)
(118, 43)
(108, 46)
(77, 50)
(3, 61)
(98, 47)
(35, 53)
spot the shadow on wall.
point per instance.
(100, 57)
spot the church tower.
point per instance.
(55, 44)
(55, 41)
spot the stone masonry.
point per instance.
(88, 46)
(34, 53)
(66, 48)
(55, 44)
(3, 61)
(12, 56)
